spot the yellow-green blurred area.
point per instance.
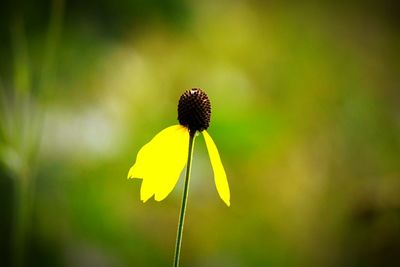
(305, 114)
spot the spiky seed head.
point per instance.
(194, 110)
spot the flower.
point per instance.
(160, 162)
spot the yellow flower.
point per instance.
(160, 162)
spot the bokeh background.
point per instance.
(306, 116)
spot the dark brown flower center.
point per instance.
(194, 110)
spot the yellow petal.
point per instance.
(160, 162)
(219, 173)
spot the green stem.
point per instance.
(184, 201)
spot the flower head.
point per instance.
(160, 162)
(194, 110)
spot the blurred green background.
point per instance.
(306, 116)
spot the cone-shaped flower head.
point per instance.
(160, 162)
(194, 110)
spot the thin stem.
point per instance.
(184, 201)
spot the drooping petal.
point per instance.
(160, 162)
(221, 181)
